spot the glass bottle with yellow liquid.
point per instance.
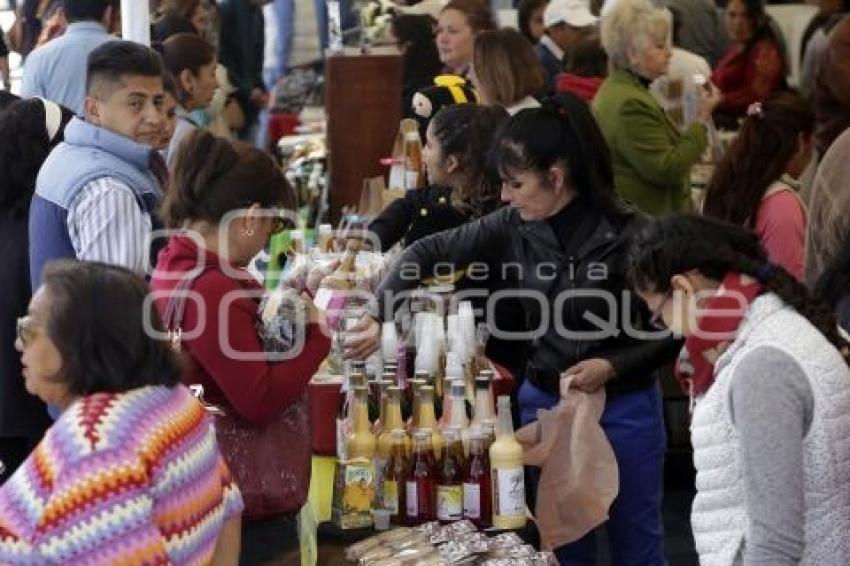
(393, 423)
(361, 441)
(507, 473)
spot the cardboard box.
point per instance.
(354, 493)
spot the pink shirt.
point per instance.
(781, 227)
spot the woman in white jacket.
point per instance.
(771, 393)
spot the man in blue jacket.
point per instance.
(97, 191)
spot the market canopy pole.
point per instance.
(136, 21)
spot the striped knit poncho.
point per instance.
(127, 478)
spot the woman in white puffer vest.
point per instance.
(771, 393)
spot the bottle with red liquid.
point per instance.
(476, 482)
(450, 480)
(421, 483)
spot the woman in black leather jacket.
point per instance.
(563, 240)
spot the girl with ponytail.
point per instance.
(755, 184)
(224, 203)
(769, 388)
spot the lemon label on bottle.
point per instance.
(391, 496)
(449, 502)
(510, 491)
(471, 501)
(412, 499)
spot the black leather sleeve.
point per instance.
(486, 239)
(392, 224)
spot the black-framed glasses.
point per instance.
(26, 329)
(655, 319)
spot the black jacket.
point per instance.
(22, 415)
(418, 214)
(529, 253)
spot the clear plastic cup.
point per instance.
(381, 518)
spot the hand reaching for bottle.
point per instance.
(362, 339)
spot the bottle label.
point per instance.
(411, 179)
(412, 499)
(471, 501)
(449, 502)
(509, 491)
(391, 496)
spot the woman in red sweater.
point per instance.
(755, 183)
(754, 66)
(220, 191)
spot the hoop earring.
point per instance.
(249, 232)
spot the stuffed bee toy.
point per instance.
(447, 90)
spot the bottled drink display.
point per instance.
(476, 483)
(450, 478)
(507, 472)
(421, 483)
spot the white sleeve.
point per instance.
(107, 224)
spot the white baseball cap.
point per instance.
(575, 13)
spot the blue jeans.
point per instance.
(634, 425)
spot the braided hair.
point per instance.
(676, 244)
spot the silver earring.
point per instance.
(249, 232)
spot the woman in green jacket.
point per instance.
(652, 159)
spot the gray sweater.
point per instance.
(772, 405)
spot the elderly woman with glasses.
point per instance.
(224, 205)
(130, 471)
(652, 159)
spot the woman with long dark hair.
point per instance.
(755, 184)
(567, 231)
(770, 392)
(754, 66)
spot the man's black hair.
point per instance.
(87, 10)
(114, 60)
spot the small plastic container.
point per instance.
(381, 518)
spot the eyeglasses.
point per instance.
(655, 319)
(26, 330)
